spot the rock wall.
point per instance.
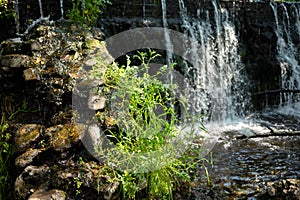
(38, 72)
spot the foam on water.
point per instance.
(290, 110)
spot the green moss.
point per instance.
(26, 135)
(65, 136)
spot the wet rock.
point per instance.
(97, 33)
(93, 43)
(36, 46)
(98, 54)
(84, 177)
(110, 190)
(93, 138)
(285, 189)
(58, 51)
(27, 135)
(110, 121)
(63, 178)
(31, 74)
(68, 176)
(26, 158)
(15, 61)
(210, 193)
(33, 178)
(62, 117)
(55, 56)
(13, 46)
(48, 195)
(63, 136)
(271, 191)
(96, 102)
(88, 84)
(90, 62)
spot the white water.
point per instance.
(61, 4)
(166, 32)
(41, 9)
(40, 19)
(17, 16)
(216, 87)
(288, 53)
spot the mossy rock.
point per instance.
(27, 135)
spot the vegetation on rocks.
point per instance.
(6, 151)
(86, 12)
(149, 158)
(37, 113)
(5, 10)
(48, 148)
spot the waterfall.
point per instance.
(217, 86)
(287, 52)
(41, 8)
(166, 32)
(17, 16)
(61, 4)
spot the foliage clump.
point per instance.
(5, 10)
(86, 12)
(6, 151)
(147, 151)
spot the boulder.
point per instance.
(15, 61)
(27, 135)
(64, 136)
(48, 195)
(26, 158)
(33, 178)
(282, 190)
(31, 74)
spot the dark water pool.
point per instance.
(242, 168)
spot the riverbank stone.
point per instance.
(27, 135)
(27, 158)
(33, 178)
(48, 195)
(15, 61)
(64, 136)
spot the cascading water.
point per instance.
(17, 20)
(17, 17)
(219, 90)
(166, 32)
(288, 55)
(41, 9)
(61, 4)
(216, 87)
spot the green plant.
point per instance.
(11, 111)
(24, 108)
(144, 157)
(80, 160)
(78, 184)
(86, 12)
(6, 151)
(5, 10)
